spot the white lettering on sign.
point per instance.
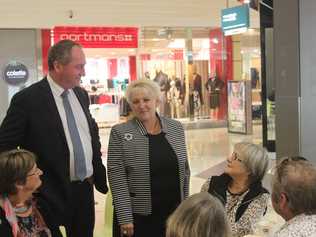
(97, 37)
(19, 73)
(230, 17)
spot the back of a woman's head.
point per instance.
(200, 215)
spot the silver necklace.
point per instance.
(23, 209)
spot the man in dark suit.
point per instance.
(51, 118)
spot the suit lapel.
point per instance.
(49, 101)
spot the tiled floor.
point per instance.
(207, 149)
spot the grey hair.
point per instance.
(61, 52)
(200, 215)
(148, 85)
(297, 180)
(255, 158)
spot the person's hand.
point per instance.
(127, 230)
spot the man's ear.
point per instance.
(57, 66)
(283, 201)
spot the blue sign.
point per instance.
(235, 20)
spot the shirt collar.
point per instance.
(56, 89)
(296, 219)
(142, 128)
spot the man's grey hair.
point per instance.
(61, 52)
(296, 178)
(255, 158)
(149, 86)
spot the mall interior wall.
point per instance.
(295, 70)
(17, 45)
(307, 75)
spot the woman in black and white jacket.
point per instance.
(147, 165)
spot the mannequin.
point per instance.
(162, 80)
(197, 85)
(214, 86)
(197, 94)
(180, 84)
(147, 75)
(174, 100)
(254, 77)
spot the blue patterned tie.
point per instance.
(80, 163)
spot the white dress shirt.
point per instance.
(81, 122)
(299, 226)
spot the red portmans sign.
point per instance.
(99, 37)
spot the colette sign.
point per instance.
(99, 37)
(15, 73)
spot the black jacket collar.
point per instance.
(219, 185)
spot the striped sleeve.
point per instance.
(118, 179)
(187, 171)
(177, 137)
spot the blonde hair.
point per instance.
(200, 215)
(255, 158)
(148, 85)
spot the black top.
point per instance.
(28, 225)
(5, 228)
(164, 173)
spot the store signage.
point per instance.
(235, 20)
(99, 37)
(15, 73)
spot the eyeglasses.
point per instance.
(235, 157)
(36, 172)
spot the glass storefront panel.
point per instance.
(181, 63)
(192, 65)
(251, 69)
(108, 72)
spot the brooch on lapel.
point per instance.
(128, 136)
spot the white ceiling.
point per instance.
(46, 14)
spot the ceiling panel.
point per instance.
(46, 14)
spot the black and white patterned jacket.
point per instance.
(129, 170)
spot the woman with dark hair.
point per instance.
(19, 179)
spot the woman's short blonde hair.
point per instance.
(255, 158)
(14, 167)
(200, 215)
(149, 86)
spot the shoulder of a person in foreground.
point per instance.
(263, 199)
